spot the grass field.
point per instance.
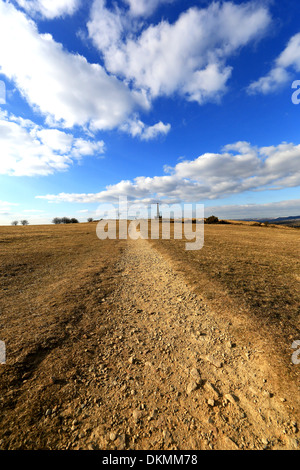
(257, 267)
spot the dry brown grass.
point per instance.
(53, 280)
(247, 271)
(46, 273)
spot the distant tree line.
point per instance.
(214, 220)
(23, 222)
(64, 220)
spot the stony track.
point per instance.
(176, 376)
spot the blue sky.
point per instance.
(170, 100)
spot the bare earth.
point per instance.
(125, 353)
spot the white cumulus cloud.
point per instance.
(145, 7)
(188, 57)
(29, 150)
(238, 168)
(49, 8)
(287, 62)
(136, 127)
(64, 87)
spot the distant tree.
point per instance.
(212, 220)
(24, 222)
(64, 220)
(90, 219)
(15, 222)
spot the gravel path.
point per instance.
(176, 378)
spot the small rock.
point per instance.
(292, 443)
(121, 442)
(230, 445)
(215, 362)
(152, 415)
(191, 387)
(112, 436)
(137, 415)
(211, 402)
(231, 398)
(132, 360)
(195, 374)
(294, 426)
(212, 389)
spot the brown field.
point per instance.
(254, 269)
(143, 345)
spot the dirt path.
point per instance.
(176, 377)
(146, 365)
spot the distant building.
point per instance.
(158, 214)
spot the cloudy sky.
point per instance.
(175, 101)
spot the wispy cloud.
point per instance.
(6, 204)
(286, 64)
(266, 210)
